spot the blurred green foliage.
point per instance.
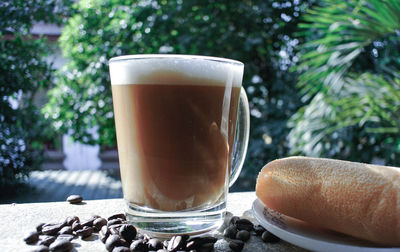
(350, 80)
(256, 32)
(23, 72)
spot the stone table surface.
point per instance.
(19, 219)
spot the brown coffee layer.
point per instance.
(174, 154)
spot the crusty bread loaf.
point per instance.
(357, 199)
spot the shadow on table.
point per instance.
(57, 185)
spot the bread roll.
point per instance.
(360, 200)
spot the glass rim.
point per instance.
(174, 56)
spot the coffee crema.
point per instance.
(175, 130)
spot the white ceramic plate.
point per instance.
(309, 237)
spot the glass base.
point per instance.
(162, 224)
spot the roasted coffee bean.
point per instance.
(236, 245)
(68, 237)
(269, 237)
(198, 241)
(65, 230)
(230, 232)
(60, 225)
(201, 244)
(46, 240)
(208, 239)
(71, 219)
(258, 229)
(128, 232)
(165, 243)
(233, 220)
(191, 245)
(139, 236)
(244, 224)
(207, 247)
(50, 224)
(76, 226)
(175, 243)
(146, 237)
(243, 235)
(154, 244)
(104, 230)
(39, 227)
(124, 243)
(112, 242)
(116, 226)
(138, 246)
(89, 222)
(74, 199)
(114, 230)
(104, 233)
(61, 245)
(31, 238)
(51, 229)
(121, 249)
(85, 232)
(116, 216)
(99, 223)
(114, 222)
(41, 248)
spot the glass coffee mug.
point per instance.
(182, 125)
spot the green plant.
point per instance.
(23, 72)
(256, 32)
(350, 76)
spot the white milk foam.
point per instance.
(175, 70)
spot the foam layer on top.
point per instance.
(175, 70)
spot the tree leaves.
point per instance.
(347, 78)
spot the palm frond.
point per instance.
(344, 29)
(340, 90)
(365, 100)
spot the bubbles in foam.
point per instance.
(175, 70)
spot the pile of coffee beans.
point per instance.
(119, 236)
(239, 231)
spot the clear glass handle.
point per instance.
(241, 137)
